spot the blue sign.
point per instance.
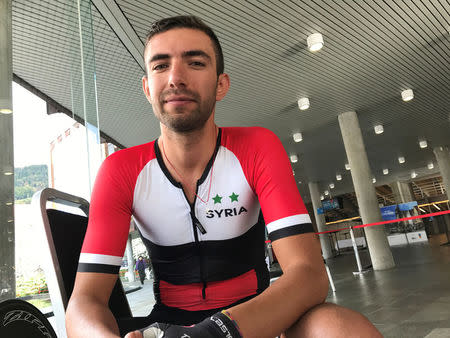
(388, 213)
(407, 206)
(320, 211)
(330, 204)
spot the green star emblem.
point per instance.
(217, 199)
(233, 197)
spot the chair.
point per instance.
(64, 232)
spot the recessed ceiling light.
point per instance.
(303, 103)
(293, 172)
(347, 166)
(378, 129)
(338, 177)
(9, 203)
(401, 159)
(297, 137)
(331, 185)
(294, 158)
(299, 182)
(407, 95)
(5, 111)
(322, 198)
(374, 180)
(413, 174)
(430, 165)
(385, 171)
(423, 144)
(315, 42)
(326, 192)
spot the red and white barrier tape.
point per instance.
(387, 222)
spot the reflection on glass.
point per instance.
(83, 86)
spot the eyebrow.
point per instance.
(157, 57)
(196, 53)
(188, 53)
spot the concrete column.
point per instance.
(320, 220)
(435, 223)
(402, 192)
(130, 260)
(443, 159)
(379, 249)
(7, 276)
(447, 222)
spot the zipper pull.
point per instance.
(204, 290)
(198, 224)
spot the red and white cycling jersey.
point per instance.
(205, 255)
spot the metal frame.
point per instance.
(58, 295)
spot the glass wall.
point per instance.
(83, 87)
(54, 145)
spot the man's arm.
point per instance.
(303, 285)
(88, 314)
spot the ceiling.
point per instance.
(372, 51)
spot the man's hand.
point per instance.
(134, 334)
(218, 325)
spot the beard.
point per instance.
(185, 119)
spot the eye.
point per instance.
(197, 64)
(160, 66)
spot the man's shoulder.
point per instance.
(136, 156)
(146, 149)
(249, 134)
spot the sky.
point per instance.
(33, 128)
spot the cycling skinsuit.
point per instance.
(208, 255)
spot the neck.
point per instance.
(188, 153)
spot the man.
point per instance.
(195, 194)
(140, 268)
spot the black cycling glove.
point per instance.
(219, 325)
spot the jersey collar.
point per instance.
(205, 172)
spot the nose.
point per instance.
(177, 76)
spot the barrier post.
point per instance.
(355, 248)
(330, 279)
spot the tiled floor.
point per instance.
(411, 300)
(141, 301)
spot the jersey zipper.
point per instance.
(197, 225)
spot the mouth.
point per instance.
(178, 100)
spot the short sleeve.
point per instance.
(282, 206)
(109, 219)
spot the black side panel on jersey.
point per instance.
(223, 259)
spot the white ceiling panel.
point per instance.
(373, 50)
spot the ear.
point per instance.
(223, 84)
(145, 88)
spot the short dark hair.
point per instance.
(187, 21)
